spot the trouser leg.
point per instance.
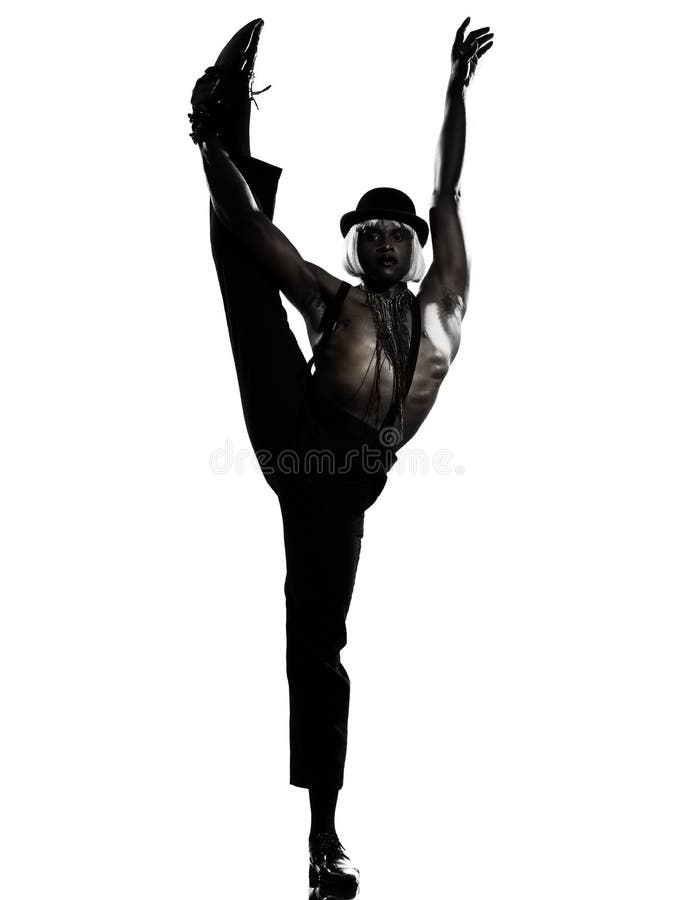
(322, 555)
(270, 365)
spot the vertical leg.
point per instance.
(270, 365)
(322, 556)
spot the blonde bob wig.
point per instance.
(350, 260)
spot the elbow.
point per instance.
(251, 226)
(246, 225)
(446, 195)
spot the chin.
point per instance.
(385, 276)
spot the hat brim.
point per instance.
(419, 225)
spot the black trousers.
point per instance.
(326, 468)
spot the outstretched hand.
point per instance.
(467, 51)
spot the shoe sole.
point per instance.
(337, 888)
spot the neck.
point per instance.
(385, 292)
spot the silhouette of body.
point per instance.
(289, 412)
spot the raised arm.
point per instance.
(450, 268)
(236, 208)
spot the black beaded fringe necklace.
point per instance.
(393, 341)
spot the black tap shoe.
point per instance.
(317, 893)
(241, 49)
(226, 84)
(330, 870)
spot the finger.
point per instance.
(461, 28)
(471, 47)
(477, 32)
(482, 50)
(478, 41)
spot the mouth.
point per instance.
(387, 262)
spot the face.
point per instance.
(385, 253)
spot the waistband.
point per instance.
(349, 432)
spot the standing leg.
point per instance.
(322, 556)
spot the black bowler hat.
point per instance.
(386, 203)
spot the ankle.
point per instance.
(321, 829)
(236, 145)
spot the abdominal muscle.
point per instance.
(345, 370)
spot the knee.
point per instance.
(314, 642)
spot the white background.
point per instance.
(510, 632)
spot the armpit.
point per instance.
(453, 303)
(315, 314)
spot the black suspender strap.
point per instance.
(415, 343)
(330, 317)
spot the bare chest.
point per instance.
(345, 366)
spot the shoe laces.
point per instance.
(253, 94)
(247, 72)
(324, 841)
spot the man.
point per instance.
(360, 406)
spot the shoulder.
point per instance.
(327, 284)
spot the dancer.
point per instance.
(325, 441)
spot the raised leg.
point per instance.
(270, 365)
(253, 258)
(221, 120)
